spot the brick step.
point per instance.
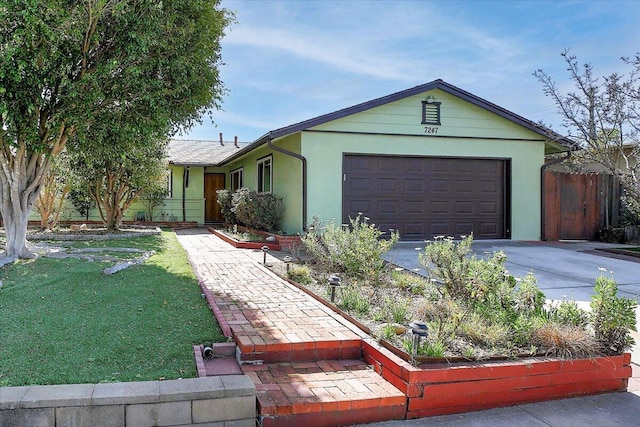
(254, 349)
(326, 393)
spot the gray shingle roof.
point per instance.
(183, 152)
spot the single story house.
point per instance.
(427, 161)
(430, 160)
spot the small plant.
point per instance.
(412, 283)
(300, 273)
(568, 313)
(612, 317)
(407, 345)
(396, 309)
(379, 315)
(388, 331)
(432, 349)
(352, 299)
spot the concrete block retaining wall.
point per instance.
(224, 401)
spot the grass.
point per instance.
(65, 322)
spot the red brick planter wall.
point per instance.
(244, 245)
(284, 242)
(440, 389)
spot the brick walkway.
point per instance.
(304, 359)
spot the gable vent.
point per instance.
(430, 113)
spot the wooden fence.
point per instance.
(576, 205)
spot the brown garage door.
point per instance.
(423, 197)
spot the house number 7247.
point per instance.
(428, 129)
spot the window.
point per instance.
(170, 184)
(430, 113)
(265, 175)
(237, 179)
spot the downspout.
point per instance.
(185, 184)
(543, 234)
(304, 177)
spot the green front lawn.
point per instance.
(65, 322)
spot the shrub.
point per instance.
(612, 317)
(224, 198)
(300, 274)
(262, 211)
(568, 313)
(354, 248)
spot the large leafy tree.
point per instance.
(120, 168)
(602, 114)
(65, 65)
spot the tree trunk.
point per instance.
(22, 175)
(16, 233)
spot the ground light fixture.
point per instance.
(334, 282)
(287, 260)
(265, 249)
(418, 330)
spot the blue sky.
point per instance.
(288, 61)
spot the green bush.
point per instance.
(483, 284)
(612, 317)
(568, 313)
(224, 198)
(354, 248)
(262, 211)
(300, 274)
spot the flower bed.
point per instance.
(283, 242)
(244, 244)
(439, 386)
(449, 388)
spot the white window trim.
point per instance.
(263, 160)
(240, 172)
(170, 184)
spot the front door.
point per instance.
(212, 183)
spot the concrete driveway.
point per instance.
(563, 269)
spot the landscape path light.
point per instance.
(334, 282)
(287, 260)
(265, 249)
(419, 330)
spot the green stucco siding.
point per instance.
(396, 129)
(287, 178)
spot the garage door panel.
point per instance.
(388, 207)
(423, 197)
(388, 185)
(490, 208)
(490, 229)
(413, 229)
(356, 206)
(464, 208)
(440, 186)
(413, 185)
(462, 228)
(463, 186)
(359, 184)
